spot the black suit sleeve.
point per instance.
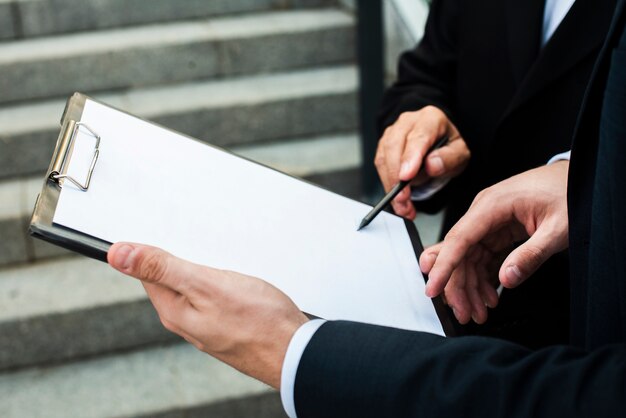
(426, 74)
(357, 370)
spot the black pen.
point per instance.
(397, 188)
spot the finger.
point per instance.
(479, 311)
(389, 154)
(402, 199)
(528, 257)
(380, 162)
(449, 160)
(153, 265)
(457, 298)
(428, 257)
(482, 218)
(485, 278)
(488, 293)
(417, 145)
(404, 209)
(172, 315)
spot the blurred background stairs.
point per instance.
(272, 80)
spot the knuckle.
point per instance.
(453, 234)
(465, 153)
(199, 346)
(153, 267)
(485, 195)
(433, 111)
(379, 160)
(418, 137)
(533, 255)
(168, 324)
(404, 116)
(480, 195)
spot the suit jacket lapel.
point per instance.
(582, 176)
(582, 31)
(524, 23)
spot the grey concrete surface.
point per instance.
(227, 113)
(13, 247)
(162, 381)
(266, 405)
(307, 156)
(17, 200)
(166, 53)
(6, 20)
(46, 17)
(12, 242)
(60, 309)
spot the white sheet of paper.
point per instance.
(157, 187)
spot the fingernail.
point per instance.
(404, 169)
(514, 274)
(427, 290)
(454, 312)
(436, 164)
(429, 261)
(123, 257)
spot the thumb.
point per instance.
(151, 265)
(528, 257)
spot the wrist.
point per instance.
(291, 327)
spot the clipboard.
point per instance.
(43, 226)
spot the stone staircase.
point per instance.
(271, 80)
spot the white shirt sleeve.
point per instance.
(294, 353)
(560, 157)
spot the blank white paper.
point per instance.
(157, 187)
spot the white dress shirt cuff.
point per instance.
(294, 353)
(426, 190)
(560, 157)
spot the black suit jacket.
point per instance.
(356, 370)
(516, 105)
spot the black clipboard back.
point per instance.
(41, 224)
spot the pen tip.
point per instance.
(363, 225)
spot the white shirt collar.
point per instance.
(554, 13)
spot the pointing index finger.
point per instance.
(476, 224)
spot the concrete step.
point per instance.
(29, 18)
(170, 381)
(332, 161)
(226, 113)
(71, 307)
(173, 52)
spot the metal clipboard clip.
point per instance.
(66, 144)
